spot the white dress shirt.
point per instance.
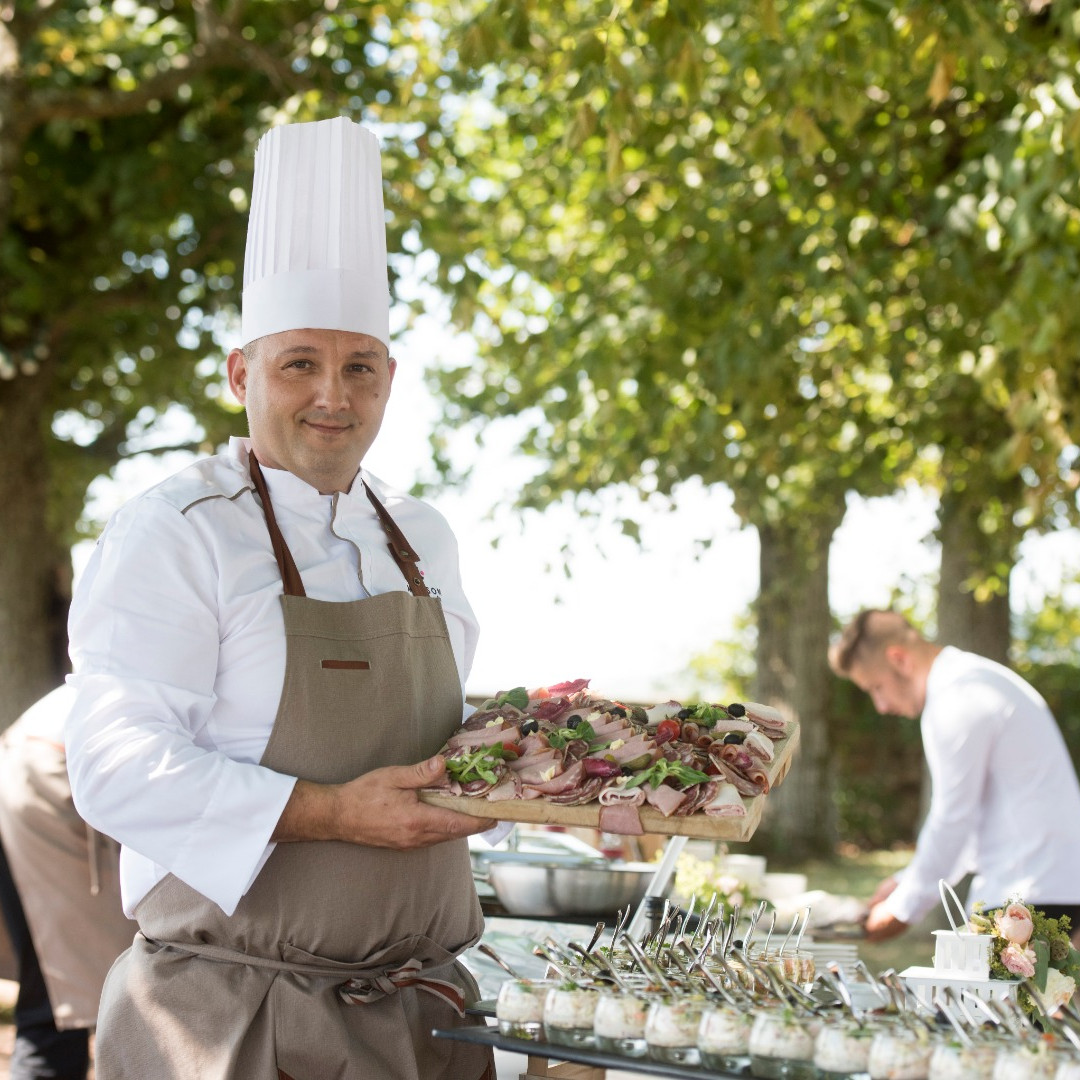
(178, 650)
(1005, 799)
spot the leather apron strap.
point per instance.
(401, 551)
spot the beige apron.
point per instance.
(205, 996)
(67, 876)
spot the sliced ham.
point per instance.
(726, 802)
(547, 757)
(632, 748)
(621, 818)
(765, 716)
(485, 736)
(571, 777)
(615, 792)
(665, 798)
(656, 713)
(759, 745)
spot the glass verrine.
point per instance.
(519, 1007)
(568, 1014)
(671, 1027)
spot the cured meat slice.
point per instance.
(485, 736)
(696, 797)
(588, 791)
(571, 777)
(621, 818)
(732, 775)
(665, 798)
(726, 802)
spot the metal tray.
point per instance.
(489, 1036)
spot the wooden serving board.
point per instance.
(587, 815)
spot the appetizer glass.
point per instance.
(782, 1044)
(953, 1060)
(619, 1021)
(723, 1037)
(842, 1049)
(671, 1028)
(900, 1052)
(1030, 1059)
(519, 1007)
(568, 1014)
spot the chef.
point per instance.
(60, 897)
(1004, 794)
(269, 648)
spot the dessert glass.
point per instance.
(1031, 1059)
(953, 1060)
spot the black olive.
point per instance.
(573, 721)
(684, 714)
(617, 710)
(530, 727)
(734, 737)
(736, 710)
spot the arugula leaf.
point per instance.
(518, 697)
(478, 764)
(658, 772)
(561, 736)
(708, 715)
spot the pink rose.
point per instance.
(1014, 924)
(1018, 960)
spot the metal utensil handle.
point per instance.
(946, 890)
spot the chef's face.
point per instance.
(893, 681)
(315, 400)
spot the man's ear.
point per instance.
(899, 659)
(236, 365)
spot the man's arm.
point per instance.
(379, 809)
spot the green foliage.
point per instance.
(799, 248)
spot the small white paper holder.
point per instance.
(960, 951)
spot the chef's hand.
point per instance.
(380, 809)
(881, 925)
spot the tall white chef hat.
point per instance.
(316, 242)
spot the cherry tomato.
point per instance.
(667, 730)
(510, 750)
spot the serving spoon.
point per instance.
(489, 952)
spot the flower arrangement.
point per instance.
(702, 878)
(1029, 946)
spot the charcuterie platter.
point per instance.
(563, 755)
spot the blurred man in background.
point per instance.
(1005, 798)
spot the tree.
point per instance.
(126, 141)
(774, 245)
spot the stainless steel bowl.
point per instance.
(551, 886)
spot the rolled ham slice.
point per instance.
(766, 717)
(759, 745)
(726, 802)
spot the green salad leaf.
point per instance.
(661, 770)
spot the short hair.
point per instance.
(867, 636)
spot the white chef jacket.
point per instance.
(1005, 799)
(178, 650)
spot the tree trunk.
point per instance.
(966, 619)
(32, 593)
(793, 676)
